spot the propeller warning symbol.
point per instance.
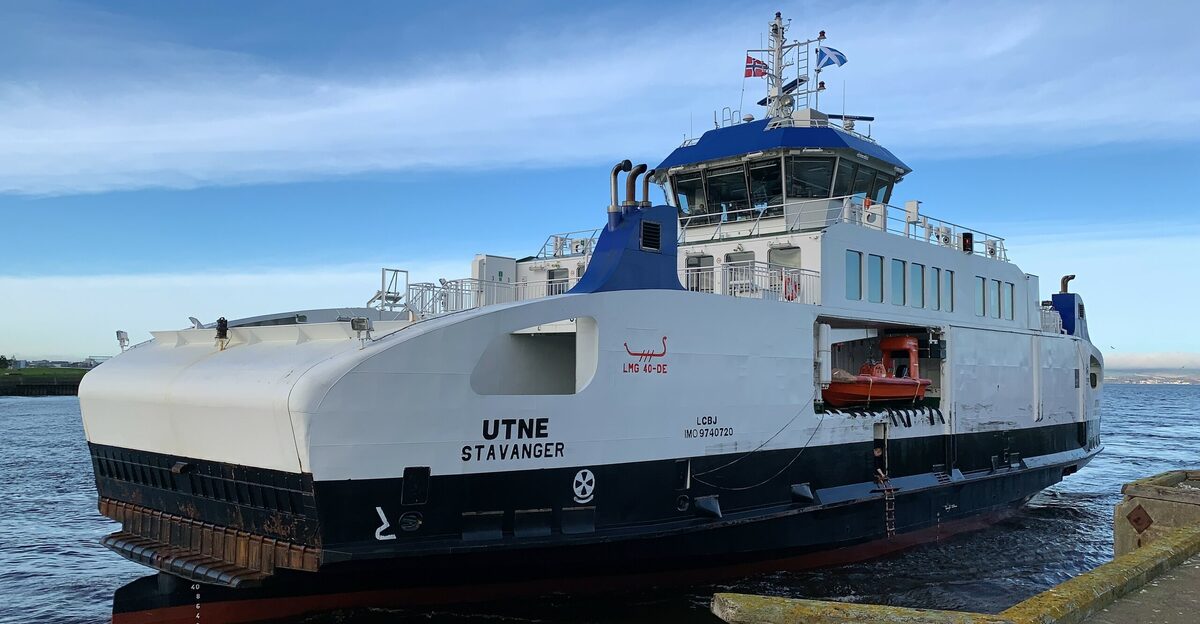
(584, 486)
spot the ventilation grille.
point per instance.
(651, 236)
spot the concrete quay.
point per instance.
(1154, 577)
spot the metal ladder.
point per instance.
(889, 507)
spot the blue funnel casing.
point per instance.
(621, 260)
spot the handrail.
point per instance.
(820, 213)
(758, 280)
(577, 243)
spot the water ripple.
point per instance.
(52, 568)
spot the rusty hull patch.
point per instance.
(171, 543)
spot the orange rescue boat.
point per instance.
(878, 382)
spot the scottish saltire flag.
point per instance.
(755, 68)
(829, 56)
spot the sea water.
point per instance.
(52, 568)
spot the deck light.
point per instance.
(363, 326)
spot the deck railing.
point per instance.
(762, 280)
(815, 214)
(758, 280)
(1051, 321)
(802, 215)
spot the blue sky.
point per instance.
(166, 159)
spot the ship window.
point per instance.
(853, 275)
(739, 257)
(766, 187)
(948, 290)
(727, 193)
(916, 285)
(897, 282)
(699, 273)
(689, 193)
(844, 178)
(809, 177)
(863, 177)
(875, 278)
(784, 256)
(558, 281)
(1008, 300)
(994, 299)
(935, 288)
(738, 273)
(879, 193)
(980, 286)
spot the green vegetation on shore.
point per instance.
(41, 374)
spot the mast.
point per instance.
(775, 75)
(780, 102)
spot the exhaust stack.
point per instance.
(645, 203)
(614, 209)
(631, 186)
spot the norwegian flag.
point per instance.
(755, 68)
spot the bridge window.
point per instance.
(858, 179)
(863, 177)
(881, 191)
(727, 192)
(1008, 300)
(875, 278)
(844, 178)
(809, 177)
(994, 299)
(699, 273)
(853, 275)
(766, 187)
(689, 193)
(897, 282)
(916, 285)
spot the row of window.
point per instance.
(912, 284)
(700, 267)
(994, 298)
(747, 190)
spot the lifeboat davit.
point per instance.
(878, 382)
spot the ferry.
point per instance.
(780, 366)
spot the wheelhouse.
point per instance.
(718, 179)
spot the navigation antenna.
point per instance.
(785, 97)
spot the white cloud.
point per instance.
(945, 79)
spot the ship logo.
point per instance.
(584, 486)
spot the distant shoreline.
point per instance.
(35, 382)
